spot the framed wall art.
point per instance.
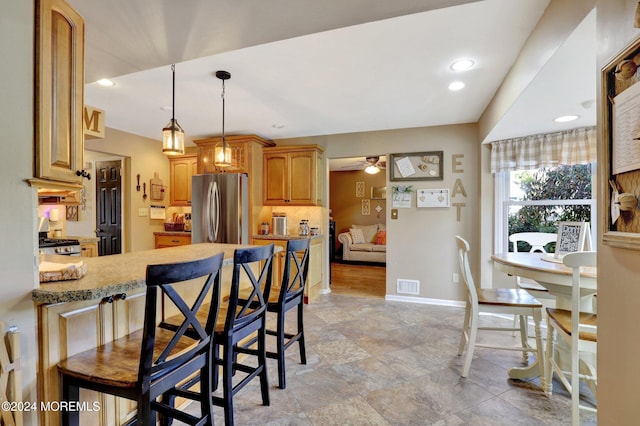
(621, 141)
(416, 166)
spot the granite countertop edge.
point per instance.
(121, 273)
(285, 237)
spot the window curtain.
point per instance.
(576, 146)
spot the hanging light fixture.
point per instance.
(372, 168)
(222, 153)
(172, 134)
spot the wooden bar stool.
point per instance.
(287, 295)
(244, 317)
(149, 365)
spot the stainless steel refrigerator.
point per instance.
(220, 208)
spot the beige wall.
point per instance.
(346, 208)
(618, 269)
(421, 242)
(19, 203)
(140, 155)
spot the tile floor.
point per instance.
(374, 362)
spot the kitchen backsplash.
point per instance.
(57, 215)
(315, 216)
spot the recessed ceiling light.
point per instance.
(105, 82)
(462, 64)
(566, 118)
(456, 85)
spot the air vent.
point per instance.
(408, 287)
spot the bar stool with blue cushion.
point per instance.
(150, 365)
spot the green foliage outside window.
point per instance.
(559, 183)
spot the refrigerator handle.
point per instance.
(208, 205)
(215, 220)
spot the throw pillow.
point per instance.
(357, 236)
(368, 231)
(381, 238)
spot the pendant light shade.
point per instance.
(172, 133)
(222, 152)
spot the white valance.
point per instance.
(576, 146)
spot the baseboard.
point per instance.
(357, 262)
(424, 301)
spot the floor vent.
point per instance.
(408, 287)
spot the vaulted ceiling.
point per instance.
(304, 68)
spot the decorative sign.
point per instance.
(433, 198)
(93, 119)
(572, 237)
(366, 207)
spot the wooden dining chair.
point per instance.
(507, 301)
(579, 330)
(150, 365)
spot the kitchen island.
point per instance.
(106, 304)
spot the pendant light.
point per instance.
(172, 134)
(222, 153)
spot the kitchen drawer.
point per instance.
(172, 240)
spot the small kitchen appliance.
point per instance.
(279, 223)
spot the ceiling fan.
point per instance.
(374, 165)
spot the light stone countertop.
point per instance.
(284, 237)
(81, 239)
(122, 273)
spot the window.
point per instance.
(536, 200)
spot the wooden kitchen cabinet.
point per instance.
(59, 92)
(65, 329)
(292, 176)
(181, 168)
(247, 157)
(88, 249)
(171, 240)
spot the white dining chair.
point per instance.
(538, 241)
(563, 324)
(507, 301)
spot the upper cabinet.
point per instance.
(292, 176)
(181, 168)
(243, 148)
(59, 92)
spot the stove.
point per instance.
(59, 246)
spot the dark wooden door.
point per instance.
(109, 207)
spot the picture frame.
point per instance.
(572, 237)
(620, 173)
(416, 166)
(401, 197)
(378, 192)
(433, 198)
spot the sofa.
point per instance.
(364, 243)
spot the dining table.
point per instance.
(551, 273)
